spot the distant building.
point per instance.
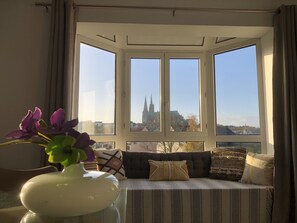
(149, 116)
(86, 126)
(224, 130)
(151, 119)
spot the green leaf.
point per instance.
(61, 150)
(60, 142)
(57, 156)
(69, 140)
(60, 139)
(51, 146)
(82, 155)
(72, 159)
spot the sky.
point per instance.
(96, 84)
(184, 86)
(236, 87)
(237, 102)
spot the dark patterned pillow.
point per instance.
(227, 163)
(111, 161)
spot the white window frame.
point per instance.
(187, 136)
(141, 136)
(207, 96)
(165, 134)
(213, 138)
(117, 137)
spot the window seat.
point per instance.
(199, 200)
(204, 198)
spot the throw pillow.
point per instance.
(227, 163)
(168, 170)
(110, 161)
(258, 169)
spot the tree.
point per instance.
(193, 125)
(168, 147)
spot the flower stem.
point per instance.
(44, 137)
(17, 141)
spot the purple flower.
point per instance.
(28, 125)
(84, 142)
(61, 141)
(58, 117)
(58, 122)
(90, 154)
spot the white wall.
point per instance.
(23, 62)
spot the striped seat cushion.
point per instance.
(111, 161)
(199, 200)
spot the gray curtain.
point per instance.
(61, 60)
(61, 57)
(285, 114)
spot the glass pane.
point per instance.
(96, 109)
(237, 109)
(165, 147)
(184, 95)
(145, 95)
(104, 145)
(254, 147)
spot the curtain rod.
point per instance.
(219, 10)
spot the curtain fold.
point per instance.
(61, 57)
(285, 114)
(60, 60)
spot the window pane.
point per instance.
(96, 111)
(254, 147)
(145, 95)
(184, 95)
(165, 147)
(105, 145)
(237, 110)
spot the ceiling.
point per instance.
(154, 36)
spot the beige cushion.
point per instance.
(168, 170)
(111, 161)
(258, 169)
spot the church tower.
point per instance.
(145, 112)
(152, 107)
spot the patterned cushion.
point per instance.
(258, 169)
(110, 161)
(227, 163)
(168, 170)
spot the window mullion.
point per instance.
(166, 81)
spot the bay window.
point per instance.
(140, 100)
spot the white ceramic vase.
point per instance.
(72, 192)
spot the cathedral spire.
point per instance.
(145, 105)
(152, 107)
(144, 112)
